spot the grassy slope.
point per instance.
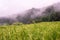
(39, 31)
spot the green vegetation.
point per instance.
(36, 31)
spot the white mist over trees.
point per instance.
(50, 13)
(9, 7)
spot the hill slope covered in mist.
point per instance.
(50, 13)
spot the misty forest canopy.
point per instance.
(50, 13)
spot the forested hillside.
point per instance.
(50, 13)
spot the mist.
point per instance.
(9, 7)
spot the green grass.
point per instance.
(36, 31)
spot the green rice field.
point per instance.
(36, 31)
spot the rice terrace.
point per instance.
(36, 31)
(29, 19)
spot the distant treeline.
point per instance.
(49, 14)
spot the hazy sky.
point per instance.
(8, 7)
